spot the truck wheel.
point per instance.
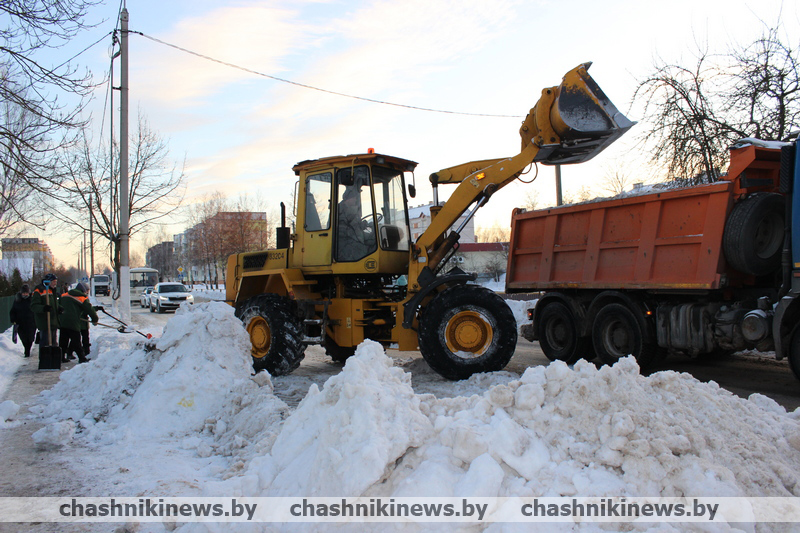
(794, 353)
(467, 329)
(558, 335)
(275, 334)
(616, 333)
(753, 236)
(339, 354)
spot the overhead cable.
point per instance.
(305, 86)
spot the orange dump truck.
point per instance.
(701, 269)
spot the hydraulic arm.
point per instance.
(571, 123)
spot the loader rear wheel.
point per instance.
(558, 335)
(467, 329)
(275, 333)
(339, 354)
(616, 333)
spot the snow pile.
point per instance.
(341, 439)
(156, 393)
(555, 431)
(55, 435)
(589, 432)
(11, 358)
(8, 410)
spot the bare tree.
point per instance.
(496, 265)
(249, 226)
(583, 194)
(493, 234)
(698, 111)
(15, 202)
(91, 188)
(206, 235)
(615, 179)
(37, 123)
(531, 201)
(766, 87)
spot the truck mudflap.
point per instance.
(579, 115)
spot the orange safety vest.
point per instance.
(81, 299)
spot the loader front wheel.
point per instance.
(275, 333)
(467, 329)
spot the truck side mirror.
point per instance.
(412, 191)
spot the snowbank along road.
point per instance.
(188, 419)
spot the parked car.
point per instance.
(169, 295)
(144, 299)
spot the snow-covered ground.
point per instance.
(189, 419)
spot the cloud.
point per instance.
(258, 36)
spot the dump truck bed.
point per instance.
(662, 241)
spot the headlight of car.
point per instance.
(190, 298)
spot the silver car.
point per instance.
(144, 299)
(169, 295)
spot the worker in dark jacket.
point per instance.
(22, 318)
(76, 306)
(44, 304)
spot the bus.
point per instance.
(140, 279)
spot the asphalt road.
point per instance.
(741, 374)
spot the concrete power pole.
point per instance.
(91, 248)
(559, 197)
(124, 195)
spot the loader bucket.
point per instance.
(573, 122)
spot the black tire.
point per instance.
(275, 333)
(467, 319)
(616, 333)
(558, 335)
(339, 354)
(753, 237)
(794, 353)
(158, 308)
(150, 305)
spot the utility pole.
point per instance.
(559, 198)
(84, 270)
(91, 248)
(124, 195)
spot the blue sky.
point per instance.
(242, 133)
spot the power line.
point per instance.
(83, 51)
(303, 85)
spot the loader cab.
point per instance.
(354, 214)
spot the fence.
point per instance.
(5, 307)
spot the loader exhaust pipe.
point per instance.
(573, 122)
(282, 234)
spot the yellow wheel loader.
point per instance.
(349, 271)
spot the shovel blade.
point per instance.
(574, 121)
(49, 358)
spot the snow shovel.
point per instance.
(49, 356)
(124, 328)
